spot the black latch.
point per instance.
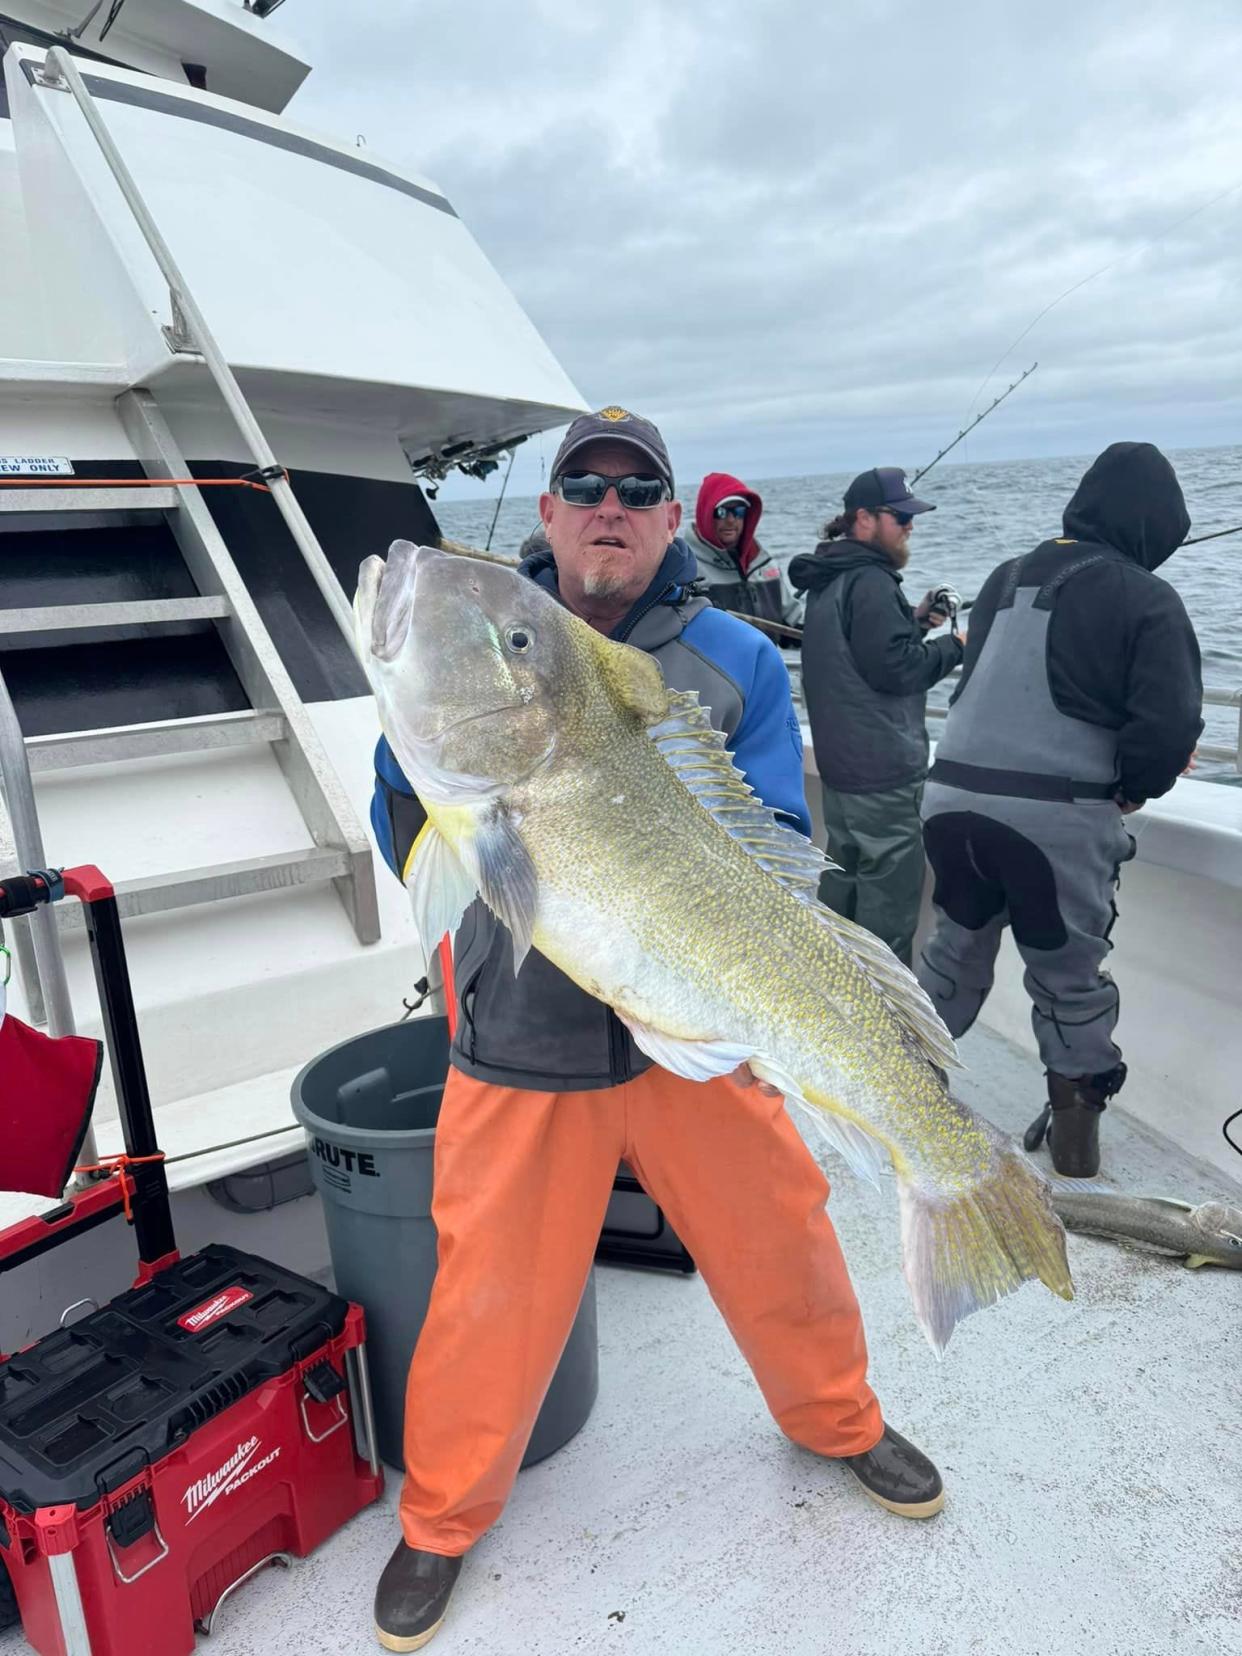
(133, 1519)
(323, 1383)
(120, 1471)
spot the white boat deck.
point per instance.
(1092, 1454)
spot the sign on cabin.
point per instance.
(35, 465)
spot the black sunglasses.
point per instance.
(903, 520)
(737, 511)
(635, 492)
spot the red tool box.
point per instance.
(212, 1419)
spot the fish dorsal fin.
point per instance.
(696, 750)
(634, 679)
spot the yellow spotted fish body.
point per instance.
(601, 817)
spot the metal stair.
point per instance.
(340, 851)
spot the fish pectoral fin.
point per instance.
(1193, 1261)
(695, 1060)
(507, 879)
(441, 889)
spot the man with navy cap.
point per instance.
(547, 1091)
(867, 666)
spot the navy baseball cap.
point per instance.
(615, 425)
(884, 486)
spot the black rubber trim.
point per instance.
(1015, 784)
(183, 109)
(54, 1239)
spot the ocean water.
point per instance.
(985, 514)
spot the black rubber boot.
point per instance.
(899, 1477)
(412, 1597)
(1077, 1104)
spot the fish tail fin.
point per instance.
(962, 1252)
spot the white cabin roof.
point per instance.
(245, 56)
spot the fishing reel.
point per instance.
(944, 600)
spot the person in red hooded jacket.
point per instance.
(739, 574)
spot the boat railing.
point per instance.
(1216, 751)
(1213, 696)
(39, 955)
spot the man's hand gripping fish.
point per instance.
(602, 820)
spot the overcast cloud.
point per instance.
(799, 238)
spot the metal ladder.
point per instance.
(340, 851)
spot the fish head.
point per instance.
(1220, 1226)
(471, 666)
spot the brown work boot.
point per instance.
(1077, 1104)
(899, 1477)
(412, 1597)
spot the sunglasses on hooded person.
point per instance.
(737, 509)
(637, 491)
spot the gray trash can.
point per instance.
(369, 1107)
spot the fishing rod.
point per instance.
(460, 550)
(778, 629)
(978, 420)
(500, 499)
(1215, 535)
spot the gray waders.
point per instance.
(1022, 829)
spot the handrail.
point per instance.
(61, 73)
(28, 844)
(1212, 697)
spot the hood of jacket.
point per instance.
(813, 571)
(714, 488)
(670, 585)
(1130, 499)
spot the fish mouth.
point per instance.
(384, 604)
(434, 737)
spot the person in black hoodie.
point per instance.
(867, 666)
(1080, 699)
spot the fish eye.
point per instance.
(519, 639)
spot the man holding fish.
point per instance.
(552, 1080)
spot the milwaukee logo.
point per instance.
(240, 1467)
(210, 1311)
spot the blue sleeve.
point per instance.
(396, 815)
(767, 744)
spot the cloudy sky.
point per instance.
(801, 236)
